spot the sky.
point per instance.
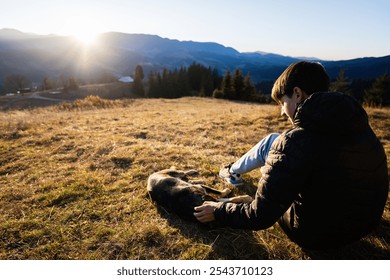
(331, 29)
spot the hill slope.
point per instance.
(73, 180)
(118, 53)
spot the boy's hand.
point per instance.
(205, 212)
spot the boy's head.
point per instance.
(310, 77)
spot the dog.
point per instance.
(172, 190)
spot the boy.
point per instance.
(325, 179)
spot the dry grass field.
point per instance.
(73, 180)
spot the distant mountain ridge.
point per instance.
(38, 56)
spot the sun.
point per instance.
(86, 37)
(84, 29)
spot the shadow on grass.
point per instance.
(373, 247)
(226, 243)
(233, 244)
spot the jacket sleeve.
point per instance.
(283, 175)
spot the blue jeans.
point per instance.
(255, 157)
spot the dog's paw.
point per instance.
(226, 192)
(247, 199)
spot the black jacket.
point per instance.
(325, 180)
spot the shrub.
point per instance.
(217, 93)
(92, 102)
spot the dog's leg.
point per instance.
(181, 174)
(174, 173)
(191, 172)
(237, 199)
(222, 193)
(197, 182)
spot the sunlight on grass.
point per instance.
(73, 180)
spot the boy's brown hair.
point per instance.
(310, 77)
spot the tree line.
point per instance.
(372, 93)
(198, 80)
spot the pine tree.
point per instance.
(238, 85)
(217, 79)
(342, 83)
(207, 85)
(249, 90)
(138, 87)
(46, 84)
(226, 86)
(153, 86)
(194, 74)
(165, 86)
(379, 93)
(183, 83)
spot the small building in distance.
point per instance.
(126, 79)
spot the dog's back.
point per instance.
(168, 189)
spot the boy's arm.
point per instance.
(283, 176)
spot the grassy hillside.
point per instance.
(73, 180)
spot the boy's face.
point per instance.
(288, 106)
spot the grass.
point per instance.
(73, 180)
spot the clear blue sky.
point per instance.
(327, 29)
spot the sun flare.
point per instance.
(85, 29)
(85, 37)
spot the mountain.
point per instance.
(36, 57)
(360, 68)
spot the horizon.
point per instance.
(330, 30)
(90, 41)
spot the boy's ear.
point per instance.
(300, 94)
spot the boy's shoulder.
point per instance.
(294, 137)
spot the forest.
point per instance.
(202, 81)
(198, 80)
